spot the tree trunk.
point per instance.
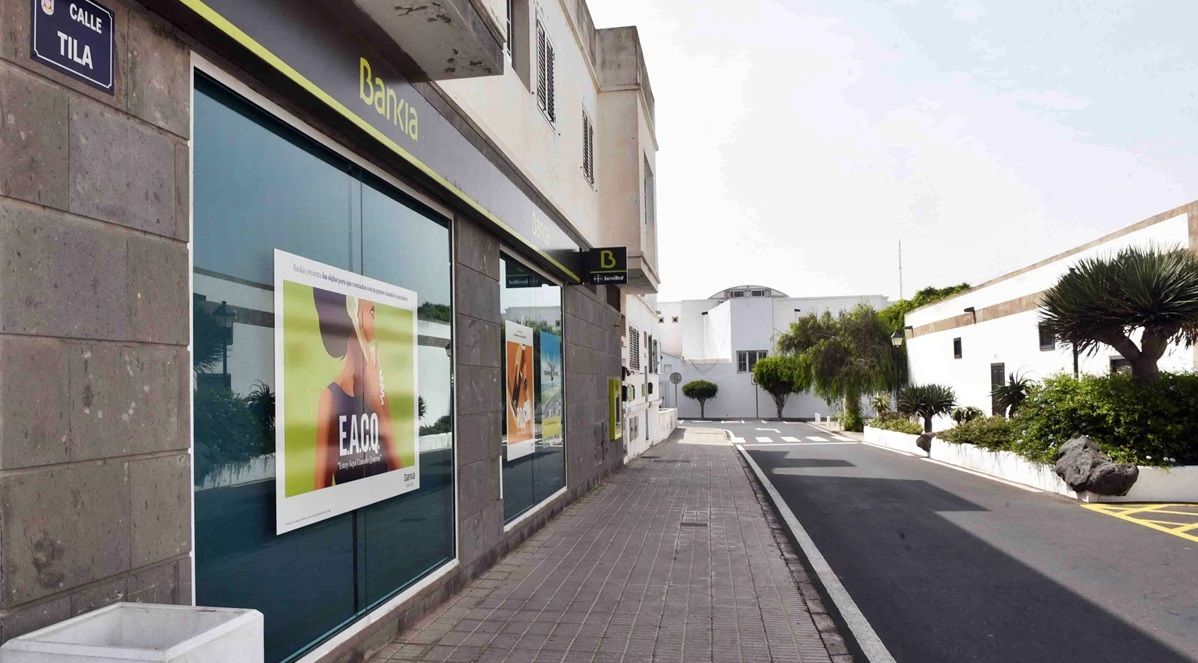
(927, 424)
(1153, 344)
(852, 410)
(702, 408)
(1144, 368)
(780, 403)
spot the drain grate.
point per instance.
(670, 460)
(694, 524)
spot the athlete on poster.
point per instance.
(518, 390)
(346, 409)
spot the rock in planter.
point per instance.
(1083, 466)
(1113, 478)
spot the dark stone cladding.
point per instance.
(95, 476)
(95, 507)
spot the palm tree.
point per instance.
(1009, 397)
(1106, 300)
(843, 357)
(926, 401)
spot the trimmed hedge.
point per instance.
(993, 433)
(897, 424)
(1147, 423)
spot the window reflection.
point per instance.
(260, 185)
(534, 459)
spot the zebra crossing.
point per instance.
(826, 439)
(765, 432)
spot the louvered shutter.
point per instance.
(541, 83)
(588, 149)
(549, 105)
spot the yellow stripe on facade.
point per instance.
(226, 26)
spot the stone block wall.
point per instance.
(95, 476)
(95, 375)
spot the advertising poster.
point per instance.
(346, 409)
(518, 389)
(549, 403)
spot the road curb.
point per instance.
(849, 617)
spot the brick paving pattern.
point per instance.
(671, 559)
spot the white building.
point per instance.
(647, 420)
(978, 338)
(720, 339)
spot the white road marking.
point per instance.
(842, 438)
(867, 639)
(816, 438)
(772, 430)
(828, 444)
(787, 438)
(765, 439)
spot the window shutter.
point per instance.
(549, 105)
(634, 348)
(588, 163)
(541, 87)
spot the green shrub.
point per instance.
(968, 413)
(897, 424)
(993, 433)
(1153, 422)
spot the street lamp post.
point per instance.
(226, 318)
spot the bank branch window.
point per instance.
(322, 388)
(534, 458)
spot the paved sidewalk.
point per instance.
(670, 559)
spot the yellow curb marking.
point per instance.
(1128, 513)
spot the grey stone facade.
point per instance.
(95, 375)
(95, 478)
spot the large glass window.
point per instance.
(534, 459)
(261, 185)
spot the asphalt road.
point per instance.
(950, 566)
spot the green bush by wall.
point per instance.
(994, 433)
(1134, 421)
(897, 424)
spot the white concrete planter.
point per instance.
(125, 632)
(893, 440)
(1002, 464)
(1155, 484)
(1159, 484)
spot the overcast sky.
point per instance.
(801, 140)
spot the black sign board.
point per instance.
(606, 265)
(75, 36)
(519, 276)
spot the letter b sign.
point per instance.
(606, 265)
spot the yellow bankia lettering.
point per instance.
(385, 101)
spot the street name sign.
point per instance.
(77, 37)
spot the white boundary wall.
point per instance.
(1155, 484)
